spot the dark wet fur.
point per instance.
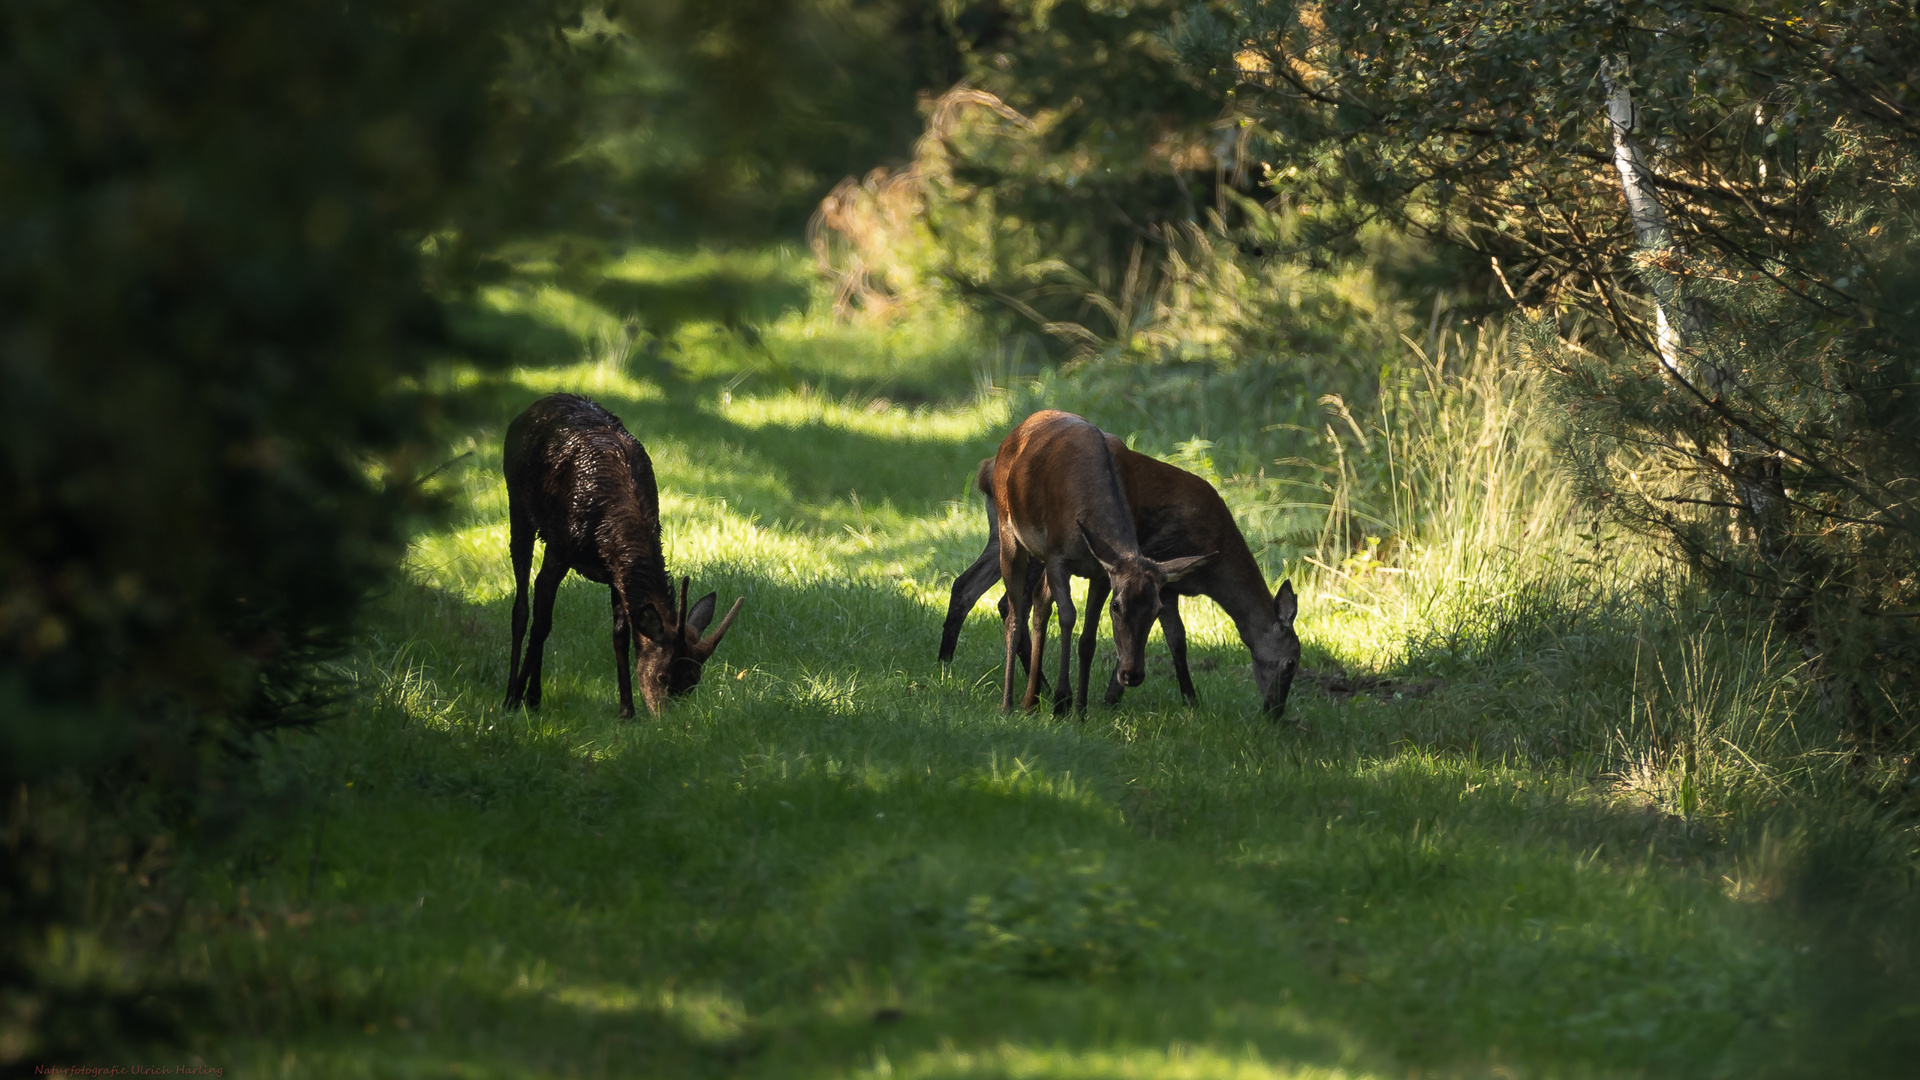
(579, 481)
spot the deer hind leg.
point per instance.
(520, 543)
(1060, 584)
(622, 638)
(545, 588)
(968, 588)
(1176, 633)
(1098, 589)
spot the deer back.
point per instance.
(1053, 475)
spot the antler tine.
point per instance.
(712, 640)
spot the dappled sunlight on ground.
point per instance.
(851, 535)
(596, 379)
(839, 858)
(1178, 1062)
(901, 426)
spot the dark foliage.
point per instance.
(229, 237)
(1773, 446)
(729, 119)
(212, 278)
(210, 281)
(1092, 146)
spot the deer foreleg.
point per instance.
(1176, 633)
(1098, 589)
(520, 543)
(622, 638)
(1060, 583)
(1026, 639)
(1013, 569)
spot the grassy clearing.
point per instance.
(837, 859)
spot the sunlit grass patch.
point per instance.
(965, 422)
(605, 377)
(664, 266)
(838, 858)
(1178, 1062)
(552, 306)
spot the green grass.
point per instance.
(838, 859)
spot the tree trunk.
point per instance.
(1674, 324)
(1753, 473)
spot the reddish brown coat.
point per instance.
(1060, 502)
(1175, 514)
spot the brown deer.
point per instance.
(577, 480)
(975, 580)
(1175, 514)
(1059, 500)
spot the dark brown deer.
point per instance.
(577, 480)
(1175, 514)
(1059, 499)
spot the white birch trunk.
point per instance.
(1672, 323)
(1755, 475)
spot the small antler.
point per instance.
(681, 621)
(712, 641)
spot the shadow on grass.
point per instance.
(723, 298)
(812, 840)
(498, 338)
(910, 471)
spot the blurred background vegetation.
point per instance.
(1367, 267)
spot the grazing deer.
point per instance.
(1059, 499)
(1175, 514)
(975, 580)
(577, 480)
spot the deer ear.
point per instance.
(647, 622)
(1100, 548)
(1285, 604)
(702, 613)
(1175, 569)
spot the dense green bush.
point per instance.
(230, 235)
(211, 279)
(1734, 356)
(1736, 353)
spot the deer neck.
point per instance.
(1105, 510)
(1237, 585)
(631, 550)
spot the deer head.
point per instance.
(1136, 581)
(670, 656)
(1276, 653)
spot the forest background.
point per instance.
(1567, 350)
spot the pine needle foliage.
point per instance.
(231, 236)
(1737, 364)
